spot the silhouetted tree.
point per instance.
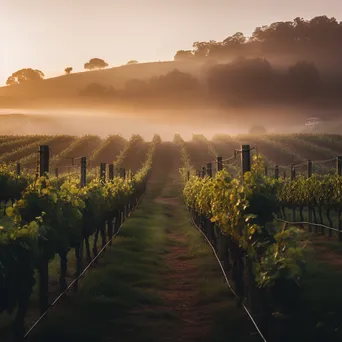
(174, 82)
(241, 79)
(182, 55)
(202, 49)
(95, 63)
(132, 61)
(68, 70)
(236, 39)
(304, 79)
(25, 75)
(318, 39)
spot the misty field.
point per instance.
(276, 149)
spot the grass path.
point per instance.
(159, 281)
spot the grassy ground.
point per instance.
(318, 316)
(333, 216)
(159, 282)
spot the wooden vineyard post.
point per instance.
(111, 172)
(79, 249)
(203, 172)
(111, 224)
(284, 174)
(339, 165)
(37, 169)
(56, 172)
(293, 177)
(266, 171)
(83, 172)
(339, 173)
(44, 154)
(293, 172)
(310, 208)
(18, 169)
(209, 170)
(219, 164)
(43, 265)
(188, 175)
(103, 172)
(242, 259)
(276, 172)
(122, 173)
(245, 158)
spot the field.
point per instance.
(66, 86)
(277, 149)
(159, 280)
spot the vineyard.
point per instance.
(267, 206)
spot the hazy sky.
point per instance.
(52, 34)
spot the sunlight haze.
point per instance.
(52, 35)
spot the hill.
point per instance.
(70, 85)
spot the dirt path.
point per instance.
(158, 283)
(328, 250)
(182, 294)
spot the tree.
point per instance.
(25, 75)
(202, 49)
(174, 81)
(132, 61)
(95, 63)
(182, 55)
(68, 70)
(237, 39)
(304, 79)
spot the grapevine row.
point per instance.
(50, 218)
(237, 217)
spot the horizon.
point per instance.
(33, 37)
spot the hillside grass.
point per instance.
(70, 85)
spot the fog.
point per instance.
(163, 122)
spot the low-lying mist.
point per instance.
(163, 122)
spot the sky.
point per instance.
(51, 35)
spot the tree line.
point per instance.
(244, 81)
(241, 70)
(31, 75)
(318, 39)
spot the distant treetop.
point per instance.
(183, 55)
(95, 63)
(321, 35)
(68, 70)
(132, 61)
(25, 75)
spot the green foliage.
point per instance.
(51, 216)
(243, 209)
(11, 184)
(322, 191)
(18, 256)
